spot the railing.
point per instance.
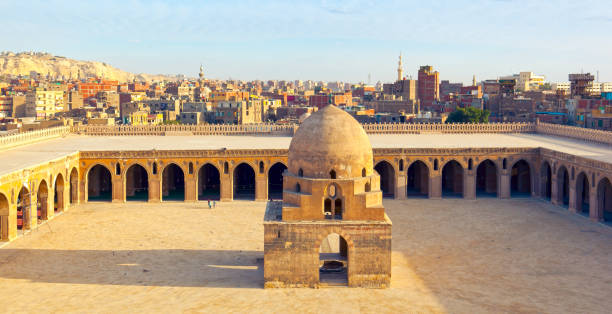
(590, 135)
(289, 129)
(14, 140)
(212, 129)
(418, 128)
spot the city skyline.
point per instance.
(321, 40)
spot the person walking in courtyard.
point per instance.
(209, 204)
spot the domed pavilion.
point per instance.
(331, 227)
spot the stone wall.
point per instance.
(14, 140)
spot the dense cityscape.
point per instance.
(42, 100)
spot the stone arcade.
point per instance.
(331, 227)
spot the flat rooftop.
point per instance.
(34, 154)
(455, 256)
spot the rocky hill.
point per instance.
(44, 63)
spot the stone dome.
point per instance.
(330, 139)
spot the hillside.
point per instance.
(44, 63)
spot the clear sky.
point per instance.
(320, 40)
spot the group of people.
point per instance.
(212, 204)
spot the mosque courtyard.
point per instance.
(450, 255)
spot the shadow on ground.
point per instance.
(171, 268)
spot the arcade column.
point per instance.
(504, 184)
(154, 189)
(400, 185)
(435, 186)
(469, 185)
(261, 186)
(226, 188)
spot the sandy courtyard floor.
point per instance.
(455, 256)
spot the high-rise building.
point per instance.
(580, 83)
(428, 89)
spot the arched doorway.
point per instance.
(387, 178)
(520, 179)
(275, 181)
(58, 194)
(173, 183)
(244, 182)
(333, 260)
(42, 201)
(99, 185)
(486, 179)
(209, 183)
(546, 181)
(23, 209)
(74, 186)
(417, 184)
(4, 214)
(563, 186)
(136, 183)
(452, 179)
(582, 194)
(604, 200)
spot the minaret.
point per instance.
(201, 73)
(474, 80)
(399, 68)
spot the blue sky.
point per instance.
(320, 40)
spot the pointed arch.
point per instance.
(244, 182)
(58, 193)
(417, 180)
(452, 179)
(275, 180)
(387, 178)
(520, 179)
(99, 184)
(209, 183)
(582, 194)
(136, 183)
(486, 178)
(42, 201)
(173, 183)
(546, 181)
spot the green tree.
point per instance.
(468, 115)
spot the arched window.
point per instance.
(436, 164)
(327, 208)
(261, 167)
(338, 209)
(573, 172)
(190, 168)
(401, 165)
(154, 168)
(117, 169)
(367, 187)
(332, 174)
(298, 189)
(504, 164)
(363, 172)
(470, 164)
(300, 172)
(225, 168)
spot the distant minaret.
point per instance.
(201, 73)
(399, 68)
(474, 80)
